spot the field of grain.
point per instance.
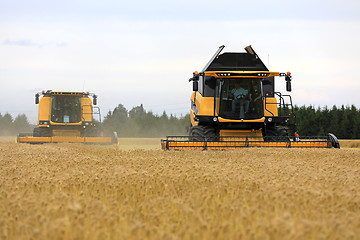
(350, 144)
(135, 191)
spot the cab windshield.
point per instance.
(65, 109)
(240, 98)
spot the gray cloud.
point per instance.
(29, 43)
(22, 42)
(61, 44)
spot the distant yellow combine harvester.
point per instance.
(67, 117)
(235, 105)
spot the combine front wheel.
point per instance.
(202, 133)
(41, 132)
(277, 134)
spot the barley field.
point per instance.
(136, 191)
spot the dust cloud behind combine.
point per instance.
(74, 191)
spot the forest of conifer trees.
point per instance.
(11, 127)
(344, 122)
(139, 123)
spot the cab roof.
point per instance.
(235, 61)
(50, 92)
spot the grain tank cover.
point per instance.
(233, 61)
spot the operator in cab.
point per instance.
(240, 96)
(255, 97)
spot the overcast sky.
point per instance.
(134, 52)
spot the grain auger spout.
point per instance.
(234, 105)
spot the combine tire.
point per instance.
(202, 133)
(41, 132)
(36, 132)
(277, 134)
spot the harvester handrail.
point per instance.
(93, 108)
(281, 104)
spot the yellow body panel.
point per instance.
(255, 134)
(45, 109)
(72, 133)
(86, 106)
(65, 124)
(236, 121)
(193, 111)
(215, 74)
(192, 118)
(205, 105)
(65, 93)
(270, 109)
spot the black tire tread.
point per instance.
(41, 132)
(200, 133)
(277, 134)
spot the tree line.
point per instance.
(10, 126)
(141, 123)
(342, 121)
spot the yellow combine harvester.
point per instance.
(235, 105)
(67, 117)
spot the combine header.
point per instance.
(186, 142)
(234, 105)
(67, 117)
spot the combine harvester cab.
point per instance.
(235, 105)
(67, 117)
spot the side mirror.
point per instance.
(195, 86)
(37, 98)
(288, 86)
(94, 99)
(288, 82)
